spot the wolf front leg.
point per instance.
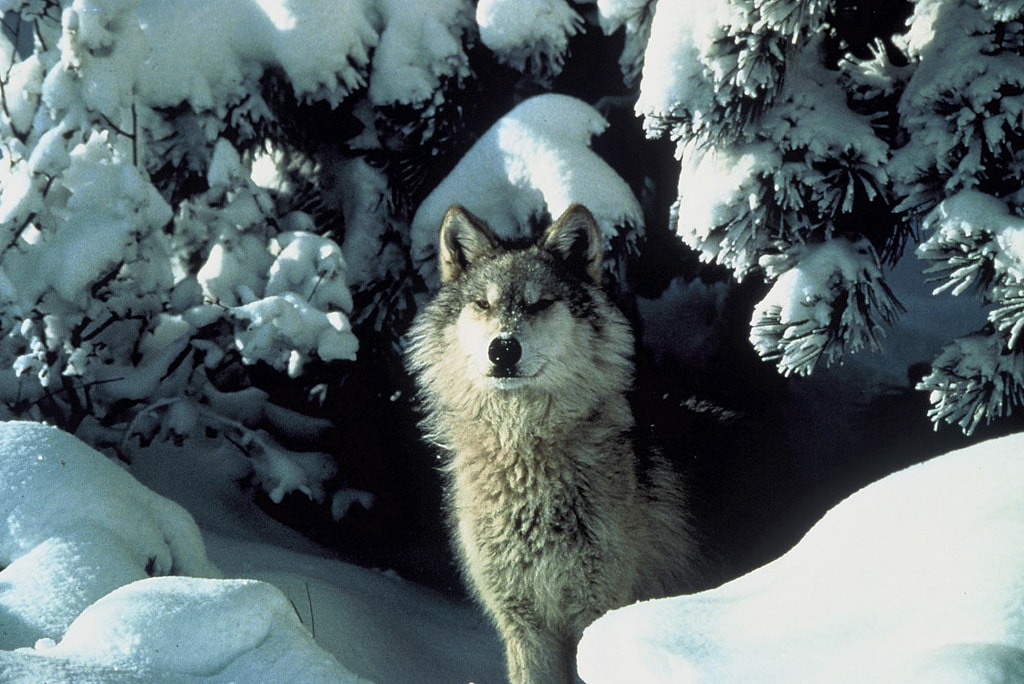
(537, 656)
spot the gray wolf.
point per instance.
(523, 366)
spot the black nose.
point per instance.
(504, 353)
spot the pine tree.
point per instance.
(775, 166)
(958, 176)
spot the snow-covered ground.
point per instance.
(105, 580)
(919, 577)
(916, 578)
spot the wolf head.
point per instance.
(520, 309)
(521, 318)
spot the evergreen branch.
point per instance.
(977, 378)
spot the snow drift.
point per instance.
(916, 578)
(81, 544)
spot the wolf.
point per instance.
(523, 366)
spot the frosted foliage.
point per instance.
(636, 17)
(964, 106)
(534, 160)
(963, 109)
(976, 243)
(529, 34)
(212, 54)
(1003, 10)
(822, 304)
(720, 210)
(364, 189)
(808, 160)
(25, 83)
(297, 310)
(974, 381)
(421, 43)
(710, 67)
(115, 300)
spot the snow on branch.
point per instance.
(773, 162)
(963, 108)
(529, 35)
(211, 54)
(636, 16)
(974, 242)
(419, 46)
(535, 160)
(139, 261)
(975, 379)
(712, 67)
(978, 243)
(806, 163)
(827, 299)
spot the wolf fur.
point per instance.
(523, 365)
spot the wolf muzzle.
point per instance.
(504, 353)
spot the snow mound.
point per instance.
(80, 543)
(535, 159)
(218, 630)
(76, 526)
(916, 578)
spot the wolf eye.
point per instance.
(482, 304)
(538, 306)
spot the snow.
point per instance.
(535, 159)
(971, 217)
(799, 321)
(25, 82)
(216, 52)
(673, 81)
(75, 527)
(916, 578)
(529, 33)
(421, 43)
(104, 580)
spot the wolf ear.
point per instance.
(464, 240)
(575, 239)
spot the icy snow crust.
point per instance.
(916, 578)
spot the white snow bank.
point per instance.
(75, 526)
(536, 158)
(80, 540)
(216, 630)
(916, 578)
